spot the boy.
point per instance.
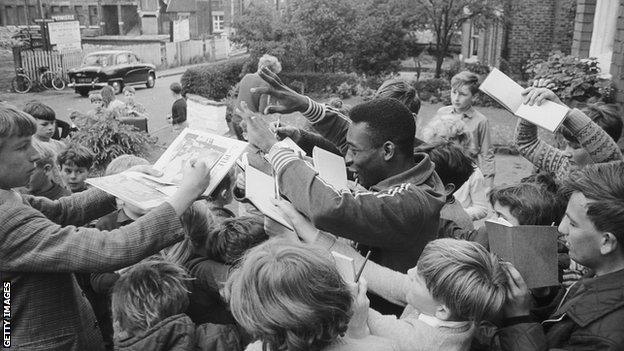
(148, 304)
(45, 181)
(75, 163)
(464, 87)
(133, 108)
(178, 110)
(454, 168)
(589, 314)
(43, 243)
(46, 124)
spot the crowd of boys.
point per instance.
(88, 271)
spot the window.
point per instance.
(32, 14)
(80, 16)
(122, 59)
(132, 58)
(11, 15)
(55, 10)
(21, 15)
(93, 15)
(217, 23)
(474, 41)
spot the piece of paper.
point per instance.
(345, 266)
(331, 168)
(206, 115)
(507, 92)
(134, 188)
(219, 153)
(260, 190)
(531, 249)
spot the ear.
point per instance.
(449, 189)
(443, 313)
(608, 243)
(389, 150)
(47, 168)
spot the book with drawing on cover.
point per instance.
(146, 192)
(532, 249)
(505, 91)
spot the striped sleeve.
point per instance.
(280, 157)
(315, 111)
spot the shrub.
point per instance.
(319, 82)
(108, 138)
(475, 67)
(213, 81)
(433, 87)
(574, 79)
(344, 90)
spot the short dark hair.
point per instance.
(39, 110)
(530, 203)
(229, 242)
(76, 155)
(387, 120)
(401, 90)
(466, 78)
(603, 182)
(452, 164)
(606, 116)
(176, 87)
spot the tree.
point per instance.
(446, 17)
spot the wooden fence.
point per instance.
(33, 60)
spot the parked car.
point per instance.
(116, 68)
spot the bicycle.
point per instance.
(48, 79)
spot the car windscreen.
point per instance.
(96, 60)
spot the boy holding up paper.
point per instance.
(464, 87)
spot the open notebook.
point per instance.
(260, 189)
(508, 93)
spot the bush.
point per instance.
(213, 81)
(433, 87)
(108, 138)
(475, 67)
(574, 79)
(319, 82)
(345, 90)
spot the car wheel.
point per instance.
(117, 86)
(83, 92)
(151, 81)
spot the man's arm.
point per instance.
(373, 218)
(33, 243)
(77, 209)
(544, 156)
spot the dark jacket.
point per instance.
(591, 317)
(179, 333)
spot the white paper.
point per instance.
(345, 266)
(331, 168)
(220, 153)
(260, 190)
(134, 188)
(504, 90)
(206, 116)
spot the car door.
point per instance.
(123, 67)
(138, 73)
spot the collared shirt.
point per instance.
(437, 323)
(10, 197)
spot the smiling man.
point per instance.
(397, 213)
(588, 315)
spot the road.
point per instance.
(157, 101)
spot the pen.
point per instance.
(357, 277)
(279, 121)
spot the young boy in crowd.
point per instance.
(454, 168)
(45, 180)
(132, 108)
(464, 87)
(75, 163)
(177, 118)
(46, 124)
(148, 304)
(589, 314)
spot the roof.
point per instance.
(182, 6)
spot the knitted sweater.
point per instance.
(593, 139)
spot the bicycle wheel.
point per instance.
(21, 84)
(58, 83)
(46, 79)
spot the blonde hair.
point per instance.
(271, 62)
(447, 128)
(290, 296)
(466, 78)
(465, 277)
(147, 293)
(123, 163)
(401, 90)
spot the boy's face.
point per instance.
(74, 176)
(577, 154)
(418, 295)
(45, 129)
(17, 162)
(579, 233)
(461, 98)
(504, 212)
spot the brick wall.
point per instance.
(583, 26)
(617, 61)
(531, 30)
(565, 13)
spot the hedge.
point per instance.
(213, 81)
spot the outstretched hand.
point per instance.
(290, 100)
(259, 133)
(358, 325)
